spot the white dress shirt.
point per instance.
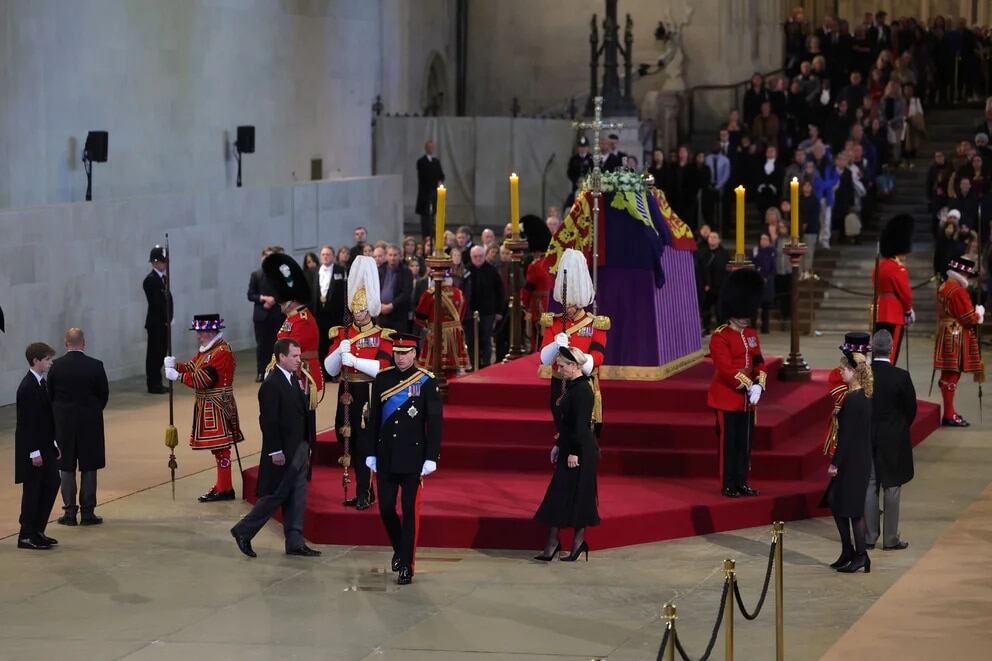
(325, 279)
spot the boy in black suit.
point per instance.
(36, 451)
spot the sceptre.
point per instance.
(171, 433)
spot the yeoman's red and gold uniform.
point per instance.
(215, 415)
(454, 353)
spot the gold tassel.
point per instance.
(171, 437)
(597, 401)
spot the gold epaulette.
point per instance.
(719, 328)
(333, 332)
(271, 365)
(427, 372)
(601, 322)
(386, 369)
(547, 319)
(387, 333)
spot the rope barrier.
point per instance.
(870, 294)
(716, 630)
(764, 589)
(664, 643)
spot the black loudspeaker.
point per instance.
(95, 149)
(246, 140)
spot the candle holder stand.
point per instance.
(516, 246)
(795, 369)
(438, 266)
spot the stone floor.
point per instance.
(163, 580)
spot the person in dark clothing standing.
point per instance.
(579, 165)
(159, 316)
(78, 390)
(327, 289)
(395, 292)
(266, 317)
(893, 411)
(429, 175)
(571, 500)
(483, 289)
(850, 467)
(684, 186)
(711, 270)
(36, 453)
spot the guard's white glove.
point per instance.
(171, 374)
(561, 339)
(345, 346)
(980, 309)
(348, 359)
(332, 363)
(367, 366)
(911, 317)
(548, 353)
(169, 362)
(370, 462)
(754, 394)
(429, 467)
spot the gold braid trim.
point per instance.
(762, 378)
(313, 398)
(743, 381)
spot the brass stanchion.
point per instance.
(730, 573)
(516, 246)
(439, 264)
(795, 368)
(475, 341)
(670, 613)
(778, 529)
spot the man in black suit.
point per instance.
(879, 35)
(361, 236)
(613, 158)
(284, 468)
(36, 453)
(157, 319)
(483, 288)
(266, 316)
(78, 390)
(395, 292)
(429, 175)
(330, 281)
(893, 411)
(405, 418)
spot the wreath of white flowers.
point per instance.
(622, 180)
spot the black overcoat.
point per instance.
(35, 430)
(893, 409)
(846, 494)
(78, 390)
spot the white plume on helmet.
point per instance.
(363, 286)
(580, 289)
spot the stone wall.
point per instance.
(82, 264)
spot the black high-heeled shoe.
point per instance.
(859, 562)
(574, 555)
(549, 558)
(845, 558)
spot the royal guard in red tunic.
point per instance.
(895, 297)
(215, 414)
(454, 352)
(575, 328)
(739, 379)
(358, 351)
(291, 289)
(837, 389)
(539, 282)
(956, 349)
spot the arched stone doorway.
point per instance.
(434, 98)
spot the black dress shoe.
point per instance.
(898, 547)
(730, 492)
(67, 520)
(33, 542)
(214, 496)
(405, 577)
(91, 520)
(244, 544)
(746, 490)
(364, 502)
(351, 502)
(304, 551)
(51, 541)
(845, 559)
(396, 563)
(956, 421)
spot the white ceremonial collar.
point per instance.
(206, 348)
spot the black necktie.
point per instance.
(43, 383)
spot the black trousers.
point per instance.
(38, 497)
(486, 323)
(154, 357)
(402, 535)
(265, 341)
(87, 492)
(735, 429)
(291, 495)
(426, 225)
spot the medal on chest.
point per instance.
(287, 327)
(412, 411)
(585, 331)
(367, 342)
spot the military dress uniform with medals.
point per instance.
(406, 424)
(357, 352)
(739, 379)
(956, 348)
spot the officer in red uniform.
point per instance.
(739, 379)
(358, 351)
(895, 297)
(837, 389)
(215, 414)
(538, 280)
(575, 328)
(956, 349)
(454, 352)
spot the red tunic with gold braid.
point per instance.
(837, 391)
(534, 296)
(300, 325)
(895, 297)
(454, 354)
(587, 333)
(215, 414)
(737, 358)
(956, 348)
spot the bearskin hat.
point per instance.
(287, 278)
(538, 234)
(741, 294)
(897, 236)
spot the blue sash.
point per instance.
(393, 403)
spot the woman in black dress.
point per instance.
(851, 463)
(571, 500)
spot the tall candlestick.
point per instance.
(515, 204)
(739, 191)
(794, 207)
(442, 194)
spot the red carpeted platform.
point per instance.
(657, 473)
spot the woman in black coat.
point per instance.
(571, 500)
(851, 464)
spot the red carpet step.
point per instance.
(657, 471)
